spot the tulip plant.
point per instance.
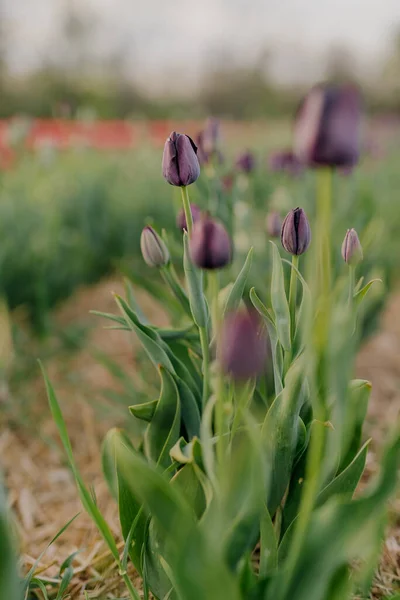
(242, 484)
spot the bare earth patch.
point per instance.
(41, 490)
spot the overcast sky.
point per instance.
(182, 36)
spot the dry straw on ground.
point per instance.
(42, 492)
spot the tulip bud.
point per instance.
(274, 224)
(286, 162)
(210, 246)
(180, 165)
(351, 248)
(296, 232)
(246, 162)
(181, 218)
(227, 182)
(327, 127)
(242, 348)
(154, 250)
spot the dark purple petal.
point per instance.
(328, 127)
(242, 348)
(180, 165)
(296, 232)
(210, 245)
(246, 162)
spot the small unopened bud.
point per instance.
(242, 347)
(285, 161)
(154, 250)
(351, 248)
(246, 162)
(210, 246)
(274, 224)
(180, 165)
(181, 218)
(296, 232)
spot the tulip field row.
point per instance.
(238, 473)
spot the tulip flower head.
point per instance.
(242, 347)
(181, 218)
(351, 248)
(274, 224)
(180, 165)
(154, 250)
(296, 232)
(210, 245)
(285, 162)
(328, 127)
(246, 162)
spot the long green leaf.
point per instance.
(86, 498)
(236, 293)
(279, 300)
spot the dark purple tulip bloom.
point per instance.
(181, 218)
(208, 141)
(211, 135)
(227, 182)
(246, 162)
(180, 165)
(296, 232)
(351, 248)
(274, 224)
(327, 127)
(210, 246)
(285, 161)
(242, 348)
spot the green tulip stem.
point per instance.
(187, 210)
(293, 296)
(219, 389)
(205, 350)
(351, 283)
(323, 229)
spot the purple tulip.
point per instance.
(285, 161)
(351, 248)
(208, 140)
(210, 246)
(180, 165)
(181, 218)
(227, 182)
(154, 250)
(246, 162)
(242, 348)
(296, 232)
(274, 224)
(327, 127)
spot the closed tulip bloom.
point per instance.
(351, 248)
(242, 347)
(274, 224)
(246, 162)
(181, 218)
(296, 232)
(180, 165)
(154, 250)
(210, 246)
(327, 127)
(285, 161)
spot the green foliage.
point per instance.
(244, 489)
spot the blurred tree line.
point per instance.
(74, 82)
